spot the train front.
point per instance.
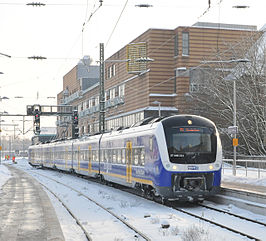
(193, 157)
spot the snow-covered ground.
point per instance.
(4, 175)
(249, 177)
(130, 207)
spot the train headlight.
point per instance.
(210, 167)
(174, 167)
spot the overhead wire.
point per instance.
(116, 23)
(92, 13)
(144, 90)
(85, 22)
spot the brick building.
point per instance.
(135, 86)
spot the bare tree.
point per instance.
(212, 94)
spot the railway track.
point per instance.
(233, 214)
(233, 225)
(225, 223)
(70, 212)
(138, 234)
(198, 212)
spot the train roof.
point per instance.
(181, 119)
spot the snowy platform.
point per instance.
(26, 211)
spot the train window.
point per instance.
(93, 156)
(101, 155)
(142, 157)
(96, 156)
(136, 156)
(110, 155)
(83, 155)
(69, 156)
(191, 144)
(114, 155)
(123, 156)
(86, 155)
(105, 155)
(119, 156)
(151, 143)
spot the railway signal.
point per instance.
(75, 122)
(75, 117)
(37, 123)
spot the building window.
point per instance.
(97, 100)
(176, 45)
(194, 88)
(121, 90)
(198, 78)
(185, 43)
(113, 70)
(110, 72)
(107, 95)
(112, 93)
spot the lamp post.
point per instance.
(1, 131)
(159, 106)
(1, 140)
(234, 128)
(235, 142)
(23, 132)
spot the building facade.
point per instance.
(150, 76)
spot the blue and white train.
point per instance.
(175, 158)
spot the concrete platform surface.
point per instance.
(26, 212)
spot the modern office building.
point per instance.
(150, 76)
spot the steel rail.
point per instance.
(168, 205)
(69, 211)
(101, 206)
(232, 214)
(214, 223)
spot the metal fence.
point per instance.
(247, 166)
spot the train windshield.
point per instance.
(191, 144)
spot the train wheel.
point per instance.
(158, 199)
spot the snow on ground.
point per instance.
(68, 225)
(143, 214)
(246, 177)
(4, 175)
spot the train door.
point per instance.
(129, 161)
(90, 159)
(66, 157)
(52, 156)
(78, 157)
(72, 156)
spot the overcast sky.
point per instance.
(54, 31)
